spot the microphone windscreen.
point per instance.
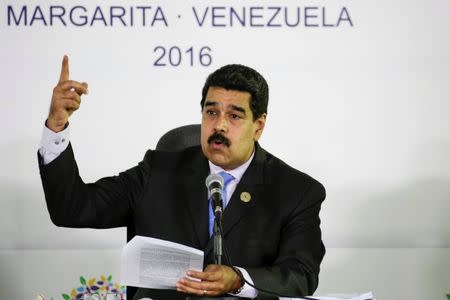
(214, 181)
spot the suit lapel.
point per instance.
(197, 196)
(251, 182)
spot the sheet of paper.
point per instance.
(154, 263)
(364, 296)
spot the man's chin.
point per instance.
(216, 158)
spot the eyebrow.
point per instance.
(238, 108)
(210, 103)
(234, 107)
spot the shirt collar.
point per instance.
(237, 173)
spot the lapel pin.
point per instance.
(246, 197)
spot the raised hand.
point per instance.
(66, 98)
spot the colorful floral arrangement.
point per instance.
(101, 287)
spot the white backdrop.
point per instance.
(362, 106)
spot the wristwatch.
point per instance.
(241, 277)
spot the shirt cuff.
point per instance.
(247, 290)
(53, 144)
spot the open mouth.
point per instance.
(218, 142)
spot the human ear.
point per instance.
(259, 126)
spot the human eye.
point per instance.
(211, 112)
(235, 116)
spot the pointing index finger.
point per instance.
(64, 76)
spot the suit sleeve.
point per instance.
(295, 272)
(106, 203)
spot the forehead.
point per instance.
(222, 96)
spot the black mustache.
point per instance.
(219, 137)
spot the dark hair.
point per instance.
(241, 78)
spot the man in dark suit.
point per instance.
(271, 224)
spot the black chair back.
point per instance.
(180, 138)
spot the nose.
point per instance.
(221, 124)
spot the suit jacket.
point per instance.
(275, 236)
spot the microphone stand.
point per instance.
(217, 232)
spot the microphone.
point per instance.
(214, 183)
